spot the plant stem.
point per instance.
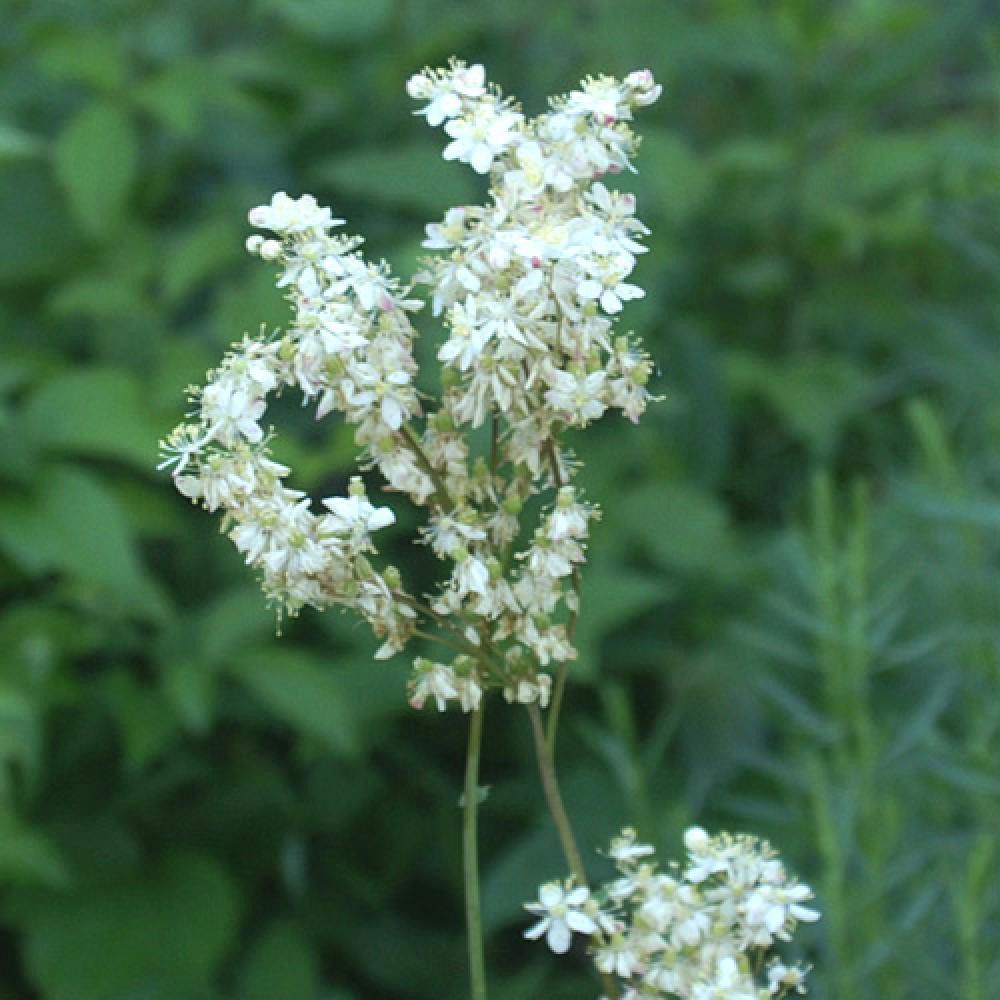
(553, 797)
(555, 707)
(470, 857)
(429, 612)
(552, 721)
(494, 444)
(440, 489)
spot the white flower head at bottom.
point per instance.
(563, 910)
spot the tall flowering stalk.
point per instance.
(528, 288)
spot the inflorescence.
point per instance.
(528, 287)
(701, 931)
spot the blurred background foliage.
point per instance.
(790, 620)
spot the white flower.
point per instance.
(292, 215)
(446, 92)
(232, 410)
(618, 957)
(481, 136)
(579, 398)
(772, 907)
(470, 693)
(606, 283)
(353, 514)
(447, 234)
(625, 848)
(781, 977)
(529, 690)
(562, 912)
(471, 574)
(645, 90)
(603, 97)
(433, 680)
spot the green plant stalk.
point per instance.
(470, 859)
(553, 798)
(442, 498)
(555, 708)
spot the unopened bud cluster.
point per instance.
(703, 930)
(528, 285)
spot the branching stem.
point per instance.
(470, 858)
(552, 720)
(553, 797)
(440, 488)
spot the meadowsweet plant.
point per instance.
(702, 931)
(527, 289)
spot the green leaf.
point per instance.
(96, 158)
(410, 176)
(21, 747)
(610, 598)
(674, 182)
(178, 96)
(28, 857)
(813, 395)
(145, 723)
(30, 206)
(200, 255)
(233, 620)
(190, 689)
(683, 528)
(16, 144)
(96, 411)
(160, 935)
(341, 22)
(36, 636)
(73, 525)
(281, 964)
(292, 685)
(94, 58)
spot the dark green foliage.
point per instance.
(791, 619)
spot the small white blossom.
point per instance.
(433, 680)
(563, 912)
(292, 215)
(480, 137)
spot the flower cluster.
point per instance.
(700, 931)
(529, 286)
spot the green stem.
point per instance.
(466, 649)
(555, 707)
(553, 797)
(552, 719)
(440, 489)
(494, 444)
(470, 857)
(429, 612)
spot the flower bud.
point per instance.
(696, 839)
(270, 249)
(512, 504)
